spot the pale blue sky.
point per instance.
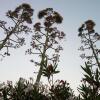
(74, 12)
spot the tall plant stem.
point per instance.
(42, 61)
(95, 56)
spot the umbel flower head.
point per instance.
(90, 25)
(50, 16)
(23, 12)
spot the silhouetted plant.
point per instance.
(45, 42)
(90, 89)
(22, 90)
(20, 17)
(26, 90)
(61, 90)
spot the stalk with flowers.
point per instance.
(90, 89)
(46, 43)
(13, 38)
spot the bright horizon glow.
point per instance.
(74, 12)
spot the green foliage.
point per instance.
(22, 90)
(50, 70)
(60, 90)
(26, 90)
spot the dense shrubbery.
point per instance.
(26, 90)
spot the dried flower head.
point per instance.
(58, 18)
(23, 12)
(41, 14)
(89, 25)
(50, 16)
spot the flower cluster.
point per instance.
(46, 38)
(89, 39)
(19, 16)
(90, 88)
(23, 12)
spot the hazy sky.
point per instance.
(74, 12)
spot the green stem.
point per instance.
(96, 58)
(42, 61)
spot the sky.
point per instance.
(74, 13)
